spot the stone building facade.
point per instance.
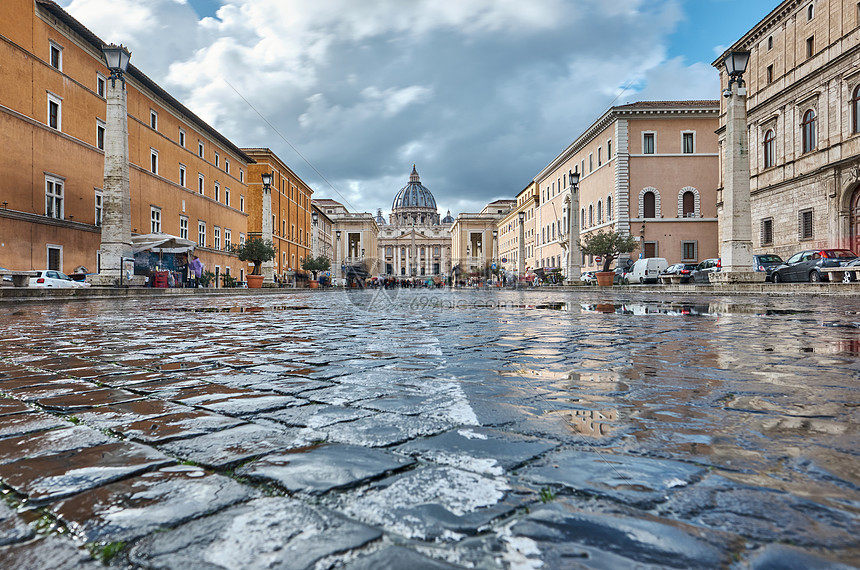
(474, 238)
(647, 169)
(186, 179)
(354, 240)
(803, 113)
(527, 202)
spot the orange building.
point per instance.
(186, 178)
(290, 211)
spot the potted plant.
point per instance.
(206, 278)
(315, 265)
(608, 245)
(257, 251)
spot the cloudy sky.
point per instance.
(480, 94)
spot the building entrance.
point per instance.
(855, 220)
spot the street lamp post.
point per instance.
(495, 264)
(736, 221)
(267, 226)
(521, 249)
(116, 255)
(337, 269)
(574, 267)
(314, 243)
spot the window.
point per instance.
(688, 143)
(810, 46)
(100, 134)
(216, 233)
(769, 143)
(55, 257)
(770, 73)
(241, 239)
(153, 120)
(241, 202)
(153, 161)
(217, 192)
(609, 150)
(648, 143)
(804, 224)
(182, 138)
(56, 56)
(201, 182)
(242, 178)
(810, 12)
(582, 219)
(649, 249)
(590, 216)
(808, 131)
(855, 103)
(54, 197)
(688, 204)
(599, 156)
(200, 149)
(650, 205)
(155, 219)
(226, 166)
(228, 238)
(201, 234)
(99, 201)
(599, 212)
(100, 84)
(217, 159)
(55, 108)
(689, 251)
(182, 175)
(590, 162)
(183, 227)
(609, 207)
(226, 196)
(770, 42)
(766, 233)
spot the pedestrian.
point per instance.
(196, 267)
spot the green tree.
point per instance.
(316, 264)
(256, 251)
(608, 245)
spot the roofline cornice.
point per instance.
(767, 23)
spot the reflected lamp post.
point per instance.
(574, 263)
(116, 256)
(267, 228)
(736, 220)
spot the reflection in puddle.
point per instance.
(594, 423)
(235, 309)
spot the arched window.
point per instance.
(689, 204)
(582, 224)
(609, 207)
(599, 212)
(855, 106)
(769, 148)
(590, 215)
(649, 201)
(808, 130)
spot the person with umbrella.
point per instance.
(196, 267)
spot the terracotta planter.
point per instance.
(604, 278)
(254, 281)
(313, 284)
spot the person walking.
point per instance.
(196, 267)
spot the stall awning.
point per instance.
(162, 243)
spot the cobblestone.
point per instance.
(431, 429)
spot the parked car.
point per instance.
(685, 270)
(647, 270)
(588, 278)
(806, 265)
(620, 276)
(704, 269)
(57, 279)
(767, 262)
(6, 279)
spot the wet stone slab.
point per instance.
(68, 403)
(432, 503)
(382, 430)
(315, 415)
(322, 469)
(51, 477)
(149, 502)
(557, 535)
(264, 533)
(13, 527)
(251, 404)
(43, 552)
(179, 425)
(50, 442)
(24, 423)
(783, 557)
(11, 407)
(233, 445)
(635, 480)
(481, 450)
(127, 412)
(52, 390)
(398, 558)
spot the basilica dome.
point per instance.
(414, 204)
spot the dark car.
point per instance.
(767, 262)
(685, 270)
(806, 265)
(705, 268)
(620, 276)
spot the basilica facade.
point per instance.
(415, 242)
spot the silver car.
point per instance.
(56, 279)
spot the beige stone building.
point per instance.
(474, 236)
(354, 243)
(416, 242)
(509, 232)
(647, 169)
(803, 104)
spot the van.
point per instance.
(647, 270)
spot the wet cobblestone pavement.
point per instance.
(430, 429)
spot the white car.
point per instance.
(58, 279)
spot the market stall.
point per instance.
(162, 259)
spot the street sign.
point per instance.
(598, 259)
(504, 260)
(493, 266)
